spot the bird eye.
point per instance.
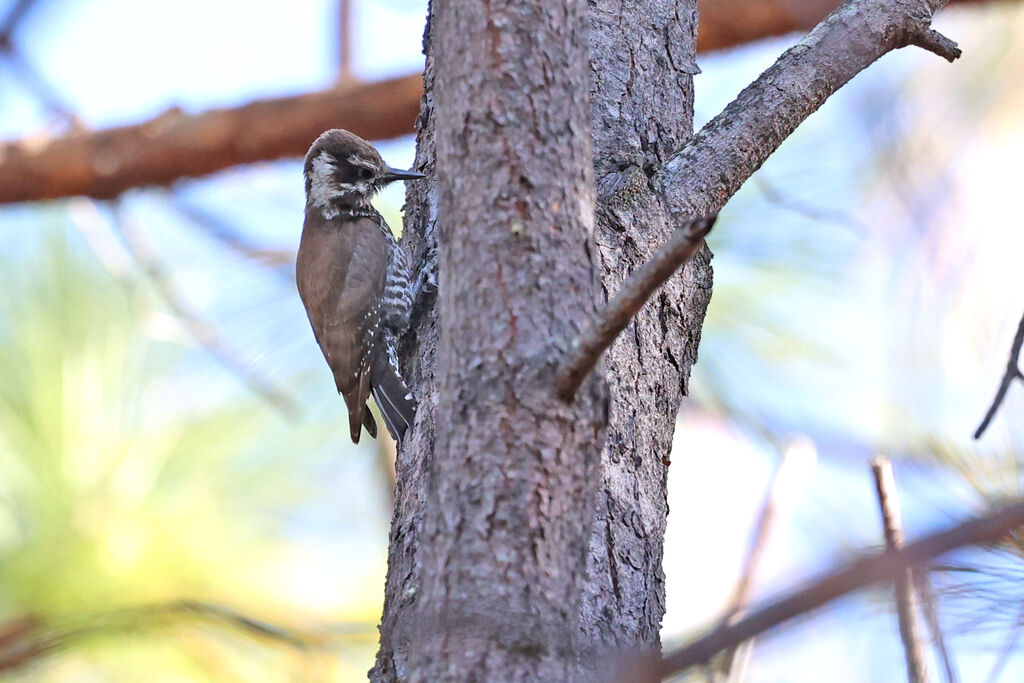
(365, 173)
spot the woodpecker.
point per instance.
(354, 280)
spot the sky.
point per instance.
(896, 314)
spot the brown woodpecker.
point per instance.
(354, 280)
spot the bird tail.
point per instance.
(390, 392)
(357, 419)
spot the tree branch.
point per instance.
(102, 164)
(906, 605)
(727, 23)
(885, 566)
(14, 16)
(105, 163)
(715, 162)
(607, 325)
(711, 167)
(1013, 372)
(25, 640)
(925, 591)
(741, 653)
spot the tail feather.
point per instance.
(357, 419)
(369, 423)
(355, 423)
(391, 394)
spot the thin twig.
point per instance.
(775, 196)
(906, 608)
(280, 261)
(1008, 648)
(1013, 372)
(752, 563)
(886, 566)
(929, 606)
(635, 291)
(26, 639)
(11, 21)
(207, 336)
(43, 90)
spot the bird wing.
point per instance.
(341, 273)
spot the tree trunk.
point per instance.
(527, 533)
(643, 58)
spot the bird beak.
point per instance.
(394, 174)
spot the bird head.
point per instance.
(343, 170)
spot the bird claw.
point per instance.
(426, 282)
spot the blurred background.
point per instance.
(179, 500)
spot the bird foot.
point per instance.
(426, 280)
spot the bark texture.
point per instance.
(479, 536)
(642, 101)
(505, 504)
(643, 61)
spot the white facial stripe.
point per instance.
(360, 187)
(322, 188)
(356, 160)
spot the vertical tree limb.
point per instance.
(930, 609)
(714, 163)
(642, 61)
(344, 41)
(906, 607)
(508, 503)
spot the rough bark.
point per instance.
(642, 104)
(446, 551)
(505, 503)
(643, 61)
(419, 354)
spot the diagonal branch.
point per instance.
(205, 333)
(14, 16)
(711, 167)
(1013, 372)
(26, 639)
(603, 330)
(281, 261)
(885, 566)
(715, 162)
